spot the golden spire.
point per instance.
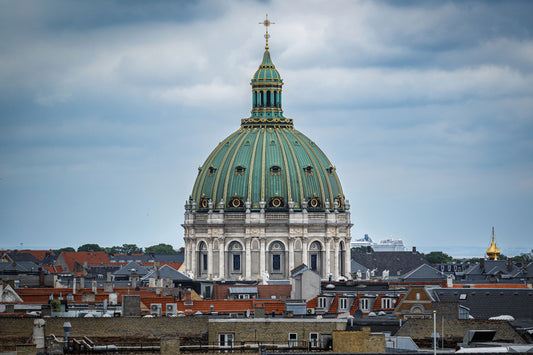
(267, 23)
(493, 252)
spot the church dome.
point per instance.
(267, 163)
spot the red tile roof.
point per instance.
(92, 258)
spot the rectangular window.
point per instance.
(204, 261)
(236, 262)
(314, 263)
(225, 341)
(313, 340)
(363, 304)
(343, 303)
(276, 262)
(386, 303)
(293, 340)
(321, 302)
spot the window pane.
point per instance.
(236, 262)
(276, 262)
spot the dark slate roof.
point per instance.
(493, 267)
(20, 257)
(169, 258)
(165, 272)
(130, 268)
(126, 258)
(300, 269)
(490, 302)
(424, 272)
(355, 266)
(397, 262)
(100, 271)
(19, 267)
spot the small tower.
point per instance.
(493, 252)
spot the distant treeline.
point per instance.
(160, 248)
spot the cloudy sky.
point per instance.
(108, 107)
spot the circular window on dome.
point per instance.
(275, 170)
(239, 170)
(314, 202)
(204, 202)
(308, 170)
(236, 202)
(276, 202)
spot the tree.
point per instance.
(437, 257)
(124, 249)
(59, 251)
(160, 248)
(131, 249)
(90, 247)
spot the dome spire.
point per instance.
(493, 252)
(267, 23)
(266, 92)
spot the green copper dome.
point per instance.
(267, 164)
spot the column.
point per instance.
(210, 258)
(262, 257)
(328, 256)
(336, 258)
(248, 253)
(194, 267)
(347, 259)
(291, 254)
(305, 251)
(221, 269)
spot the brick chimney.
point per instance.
(187, 296)
(414, 249)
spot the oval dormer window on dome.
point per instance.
(236, 202)
(204, 203)
(330, 170)
(314, 202)
(275, 170)
(308, 170)
(276, 202)
(239, 170)
(212, 170)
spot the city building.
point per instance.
(267, 199)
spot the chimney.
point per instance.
(509, 265)
(95, 286)
(187, 296)
(369, 249)
(482, 264)
(74, 286)
(414, 249)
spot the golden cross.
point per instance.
(267, 23)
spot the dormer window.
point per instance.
(308, 170)
(321, 302)
(275, 170)
(330, 170)
(239, 170)
(212, 170)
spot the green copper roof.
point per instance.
(267, 71)
(264, 163)
(267, 163)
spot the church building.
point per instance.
(267, 199)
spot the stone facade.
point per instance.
(265, 245)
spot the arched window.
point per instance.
(235, 258)
(262, 98)
(276, 259)
(275, 99)
(268, 98)
(315, 257)
(202, 259)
